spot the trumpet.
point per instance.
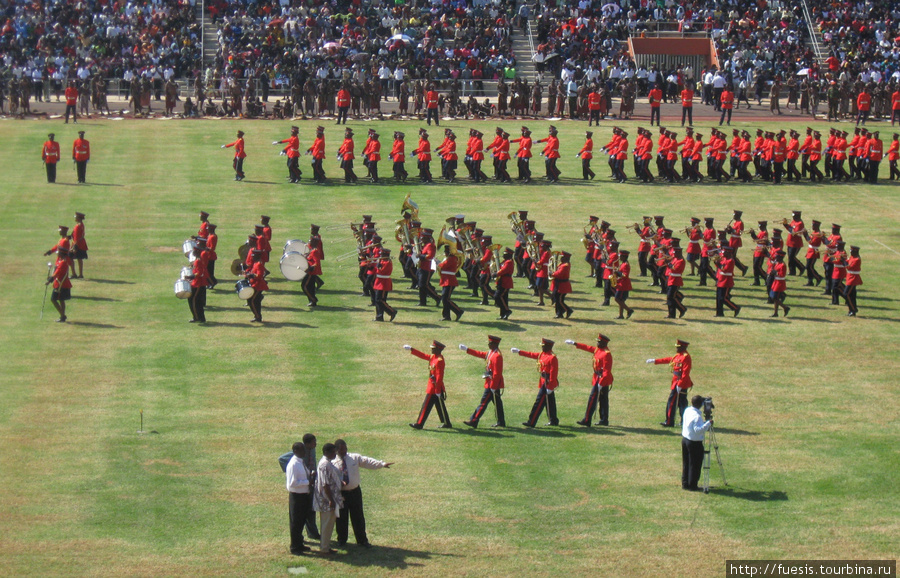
(357, 252)
(366, 262)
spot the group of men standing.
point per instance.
(70, 249)
(81, 154)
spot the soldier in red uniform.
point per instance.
(50, 155)
(814, 240)
(313, 272)
(727, 101)
(804, 149)
(622, 285)
(425, 271)
(257, 277)
(893, 153)
(502, 151)
(317, 150)
(561, 286)
(447, 270)
(602, 380)
(493, 382)
(199, 278)
(383, 285)
(551, 154)
(852, 280)
(504, 284)
(63, 245)
(863, 105)
(345, 155)
(292, 151)
(673, 293)
(759, 252)
(724, 283)
(80, 246)
(523, 155)
(81, 154)
(62, 287)
(794, 242)
(373, 155)
(398, 155)
(431, 106)
(875, 149)
(423, 156)
(71, 101)
(435, 393)
(779, 283)
(586, 154)
(548, 368)
(239, 155)
(687, 105)
(655, 96)
(838, 272)
(681, 381)
(343, 103)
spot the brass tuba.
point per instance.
(449, 238)
(411, 206)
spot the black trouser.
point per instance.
(895, 173)
(293, 165)
(811, 273)
(744, 172)
(432, 113)
(642, 262)
(559, 301)
(342, 113)
(850, 298)
(599, 397)
(51, 172)
(814, 172)
(829, 282)
(433, 400)
(725, 112)
(318, 171)
(552, 172)
(211, 268)
(595, 117)
(255, 304)
(381, 305)
(544, 398)
(758, 271)
(352, 512)
(81, 167)
(400, 173)
(484, 282)
(502, 173)
(673, 300)
(792, 171)
(425, 171)
(654, 113)
(299, 508)
(74, 114)
(586, 171)
(837, 171)
(425, 288)
(794, 264)
(863, 115)
(197, 303)
(367, 286)
(705, 269)
(349, 175)
(691, 463)
(723, 299)
(447, 302)
(524, 169)
(373, 170)
(779, 170)
(688, 113)
(490, 396)
(837, 289)
(804, 165)
(501, 300)
(238, 165)
(309, 288)
(872, 171)
(677, 402)
(829, 165)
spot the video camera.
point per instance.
(708, 408)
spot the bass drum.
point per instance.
(236, 268)
(182, 288)
(296, 246)
(294, 266)
(243, 250)
(244, 289)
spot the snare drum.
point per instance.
(296, 246)
(192, 257)
(182, 288)
(188, 247)
(294, 266)
(186, 272)
(244, 290)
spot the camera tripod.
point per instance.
(707, 462)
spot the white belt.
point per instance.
(761, 246)
(674, 274)
(840, 266)
(383, 276)
(849, 272)
(694, 242)
(448, 272)
(735, 236)
(779, 278)
(724, 274)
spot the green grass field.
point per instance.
(806, 407)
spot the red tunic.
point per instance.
(346, 150)
(81, 149)
(238, 148)
(602, 364)
(493, 365)
(435, 371)
(78, 237)
(447, 269)
(548, 366)
(681, 369)
(50, 153)
(854, 272)
(383, 271)
(293, 146)
(624, 282)
(561, 282)
(780, 282)
(725, 273)
(257, 277)
(676, 268)
(504, 275)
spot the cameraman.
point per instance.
(692, 434)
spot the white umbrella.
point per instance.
(803, 72)
(400, 37)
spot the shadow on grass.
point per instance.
(509, 325)
(542, 323)
(598, 430)
(473, 432)
(750, 495)
(417, 324)
(107, 281)
(545, 433)
(95, 325)
(103, 185)
(736, 432)
(668, 431)
(260, 182)
(279, 324)
(92, 298)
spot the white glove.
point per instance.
(578, 155)
(284, 154)
(223, 146)
(275, 142)
(407, 347)
(463, 347)
(570, 342)
(651, 360)
(515, 350)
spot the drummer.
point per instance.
(199, 278)
(313, 272)
(252, 242)
(257, 278)
(267, 229)
(314, 234)
(211, 241)
(262, 243)
(383, 286)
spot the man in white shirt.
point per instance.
(692, 433)
(300, 500)
(349, 465)
(327, 499)
(384, 75)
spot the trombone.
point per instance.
(358, 252)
